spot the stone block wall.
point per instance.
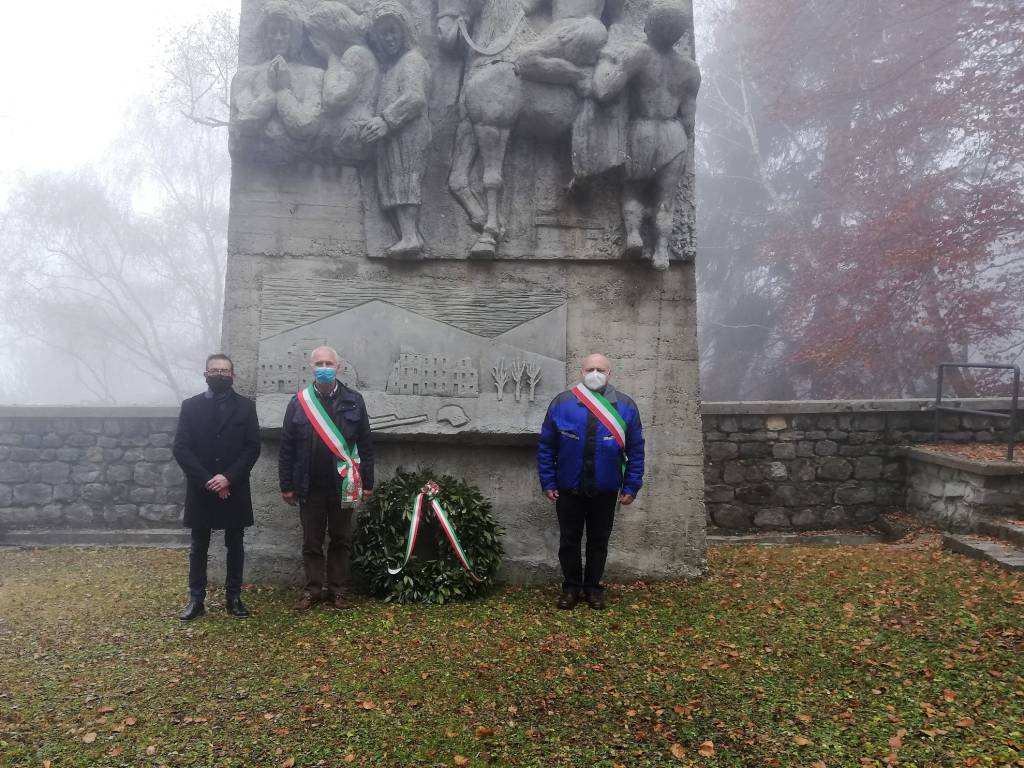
(88, 468)
(954, 494)
(812, 465)
(768, 466)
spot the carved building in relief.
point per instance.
(415, 374)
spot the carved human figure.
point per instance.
(514, 81)
(660, 86)
(567, 49)
(401, 128)
(275, 105)
(349, 96)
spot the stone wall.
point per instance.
(955, 494)
(811, 465)
(74, 469)
(106, 475)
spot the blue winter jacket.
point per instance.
(562, 441)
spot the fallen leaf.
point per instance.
(151, 749)
(289, 763)
(965, 722)
(130, 721)
(801, 741)
(90, 737)
(460, 760)
(350, 757)
(483, 732)
(818, 764)
(803, 717)
(678, 751)
(104, 710)
(707, 748)
(949, 695)
(367, 705)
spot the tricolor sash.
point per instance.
(348, 459)
(428, 493)
(603, 411)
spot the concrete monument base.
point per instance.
(463, 246)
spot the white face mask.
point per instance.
(595, 379)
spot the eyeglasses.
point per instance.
(220, 372)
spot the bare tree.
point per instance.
(518, 367)
(118, 269)
(534, 373)
(500, 374)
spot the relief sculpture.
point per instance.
(350, 81)
(401, 128)
(275, 105)
(589, 104)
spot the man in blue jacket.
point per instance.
(591, 455)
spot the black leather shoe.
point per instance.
(596, 600)
(568, 599)
(236, 608)
(193, 610)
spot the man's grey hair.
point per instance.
(332, 350)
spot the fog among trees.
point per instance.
(859, 176)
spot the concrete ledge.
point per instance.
(1010, 531)
(1004, 555)
(755, 407)
(977, 467)
(88, 411)
(152, 537)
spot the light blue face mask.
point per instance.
(325, 375)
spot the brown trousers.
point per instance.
(322, 513)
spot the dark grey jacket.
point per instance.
(348, 411)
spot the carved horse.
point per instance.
(495, 101)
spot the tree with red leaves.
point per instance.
(884, 137)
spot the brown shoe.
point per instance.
(341, 602)
(304, 603)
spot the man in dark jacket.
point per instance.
(323, 485)
(217, 444)
(591, 455)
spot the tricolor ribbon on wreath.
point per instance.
(347, 458)
(429, 493)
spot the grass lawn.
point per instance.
(789, 656)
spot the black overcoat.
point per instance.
(217, 441)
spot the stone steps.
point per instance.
(1001, 553)
(1010, 531)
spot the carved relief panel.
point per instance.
(541, 129)
(423, 357)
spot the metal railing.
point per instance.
(1012, 415)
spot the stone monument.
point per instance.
(465, 197)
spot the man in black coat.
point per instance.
(217, 444)
(308, 472)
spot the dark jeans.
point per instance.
(322, 513)
(198, 556)
(576, 513)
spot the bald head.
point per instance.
(596, 362)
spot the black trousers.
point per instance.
(321, 513)
(198, 557)
(577, 513)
